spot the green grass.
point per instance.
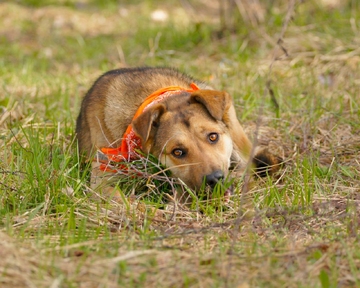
(299, 229)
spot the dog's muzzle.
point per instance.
(213, 178)
(218, 177)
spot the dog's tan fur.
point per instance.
(187, 123)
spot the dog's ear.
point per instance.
(216, 102)
(221, 107)
(144, 124)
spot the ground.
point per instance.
(293, 70)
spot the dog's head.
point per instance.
(189, 134)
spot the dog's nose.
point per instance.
(214, 177)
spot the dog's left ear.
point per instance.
(221, 107)
(216, 102)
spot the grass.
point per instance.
(299, 229)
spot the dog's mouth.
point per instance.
(220, 192)
(228, 193)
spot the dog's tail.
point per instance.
(266, 163)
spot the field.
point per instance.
(293, 69)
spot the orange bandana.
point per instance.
(130, 141)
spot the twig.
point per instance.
(247, 177)
(280, 40)
(8, 187)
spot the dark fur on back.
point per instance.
(266, 163)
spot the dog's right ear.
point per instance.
(144, 124)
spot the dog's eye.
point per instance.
(178, 153)
(213, 137)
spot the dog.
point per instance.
(191, 128)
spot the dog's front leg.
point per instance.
(100, 182)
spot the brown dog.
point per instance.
(193, 130)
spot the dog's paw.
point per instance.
(266, 163)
